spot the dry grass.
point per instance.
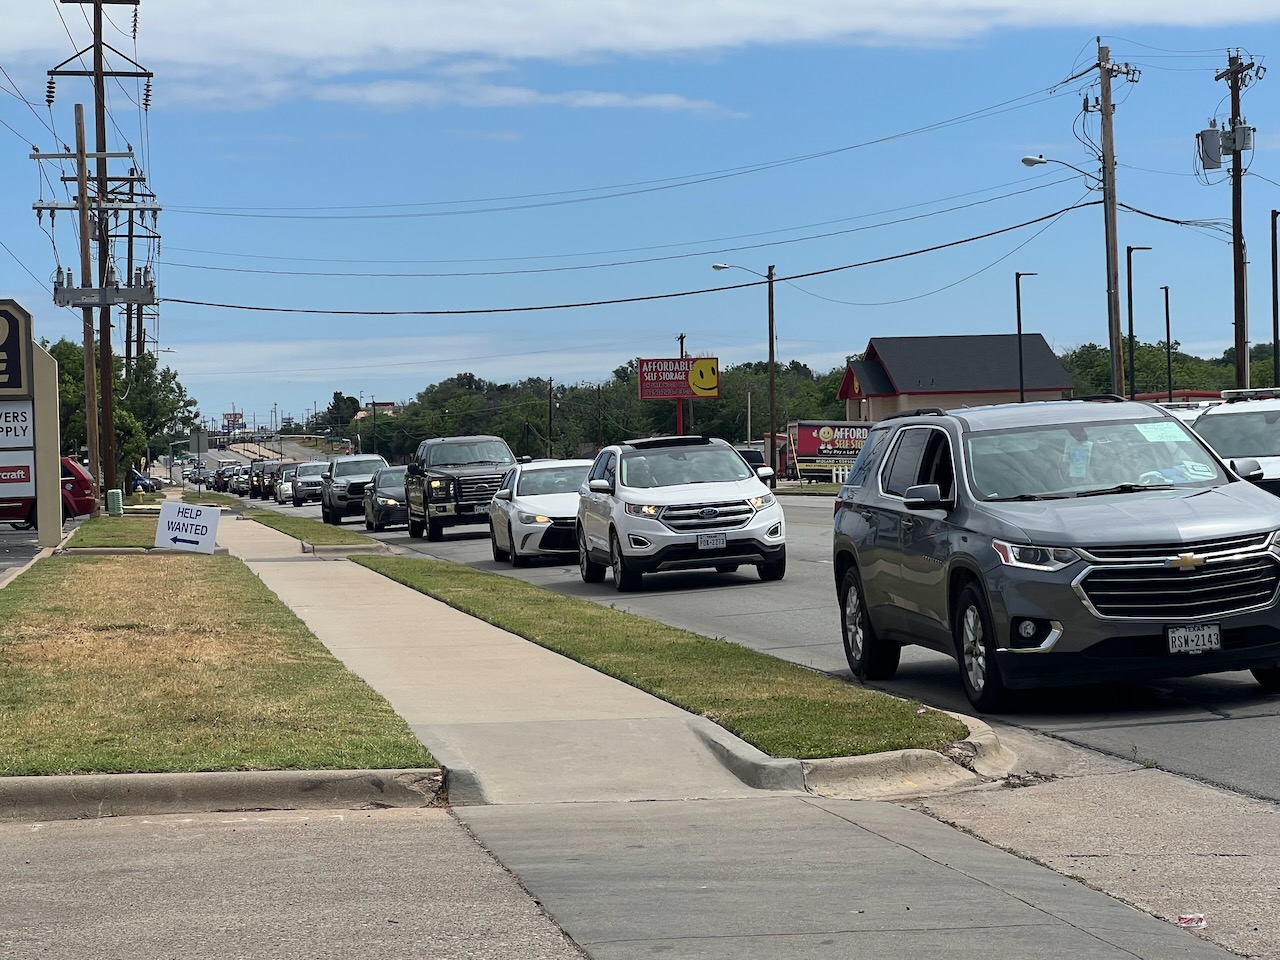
(165, 663)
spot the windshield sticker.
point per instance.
(1078, 459)
(1198, 471)
(1161, 432)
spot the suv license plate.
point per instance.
(1194, 638)
(712, 541)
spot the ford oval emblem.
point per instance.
(709, 513)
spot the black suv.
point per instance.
(1056, 543)
(452, 480)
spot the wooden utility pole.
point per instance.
(1106, 70)
(86, 278)
(1237, 76)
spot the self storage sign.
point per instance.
(184, 526)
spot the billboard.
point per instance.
(819, 445)
(679, 378)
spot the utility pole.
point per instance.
(773, 390)
(550, 410)
(1238, 75)
(1106, 108)
(86, 278)
(1275, 303)
(106, 271)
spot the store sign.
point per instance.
(679, 378)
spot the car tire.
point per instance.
(976, 651)
(625, 578)
(1268, 678)
(435, 531)
(378, 527)
(591, 571)
(870, 658)
(726, 567)
(776, 570)
(368, 524)
(518, 559)
(297, 502)
(324, 513)
(499, 555)
(415, 528)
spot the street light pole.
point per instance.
(1168, 345)
(1017, 287)
(773, 370)
(1128, 269)
(1275, 304)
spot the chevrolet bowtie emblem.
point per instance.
(1185, 561)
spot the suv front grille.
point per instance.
(478, 489)
(1159, 552)
(1173, 595)
(700, 517)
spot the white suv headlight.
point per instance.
(762, 501)
(1034, 558)
(644, 510)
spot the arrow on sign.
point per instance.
(194, 543)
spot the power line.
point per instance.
(621, 263)
(621, 250)
(622, 300)
(574, 196)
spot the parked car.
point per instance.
(534, 512)
(77, 498)
(283, 492)
(384, 504)
(139, 482)
(1246, 425)
(1055, 543)
(452, 480)
(307, 480)
(342, 485)
(677, 503)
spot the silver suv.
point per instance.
(1056, 543)
(677, 503)
(342, 485)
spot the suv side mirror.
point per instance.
(327, 475)
(1247, 468)
(413, 470)
(925, 496)
(524, 459)
(502, 495)
(764, 473)
(600, 486)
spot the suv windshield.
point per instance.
(671, 466)
(311, 470)
(353, 468)
(475, 451)
(1249, 433)
(1067, 460)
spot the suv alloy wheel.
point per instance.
(591, 571)
(625, 579)
(870, 658)
(977, 652)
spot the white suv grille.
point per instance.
(697, 517)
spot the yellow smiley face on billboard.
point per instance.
(704, 377)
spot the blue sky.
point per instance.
(523, 153)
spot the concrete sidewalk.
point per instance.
(620, 819)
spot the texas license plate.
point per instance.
(1194, 638)
(711, 541)
(480, 508)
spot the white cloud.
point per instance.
(241, 52)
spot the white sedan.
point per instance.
(534, 510)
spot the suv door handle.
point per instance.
(866, 515)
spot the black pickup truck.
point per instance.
(452, 480)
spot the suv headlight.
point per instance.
(761, 502)
(644, 510)
(1034, 558)
(532, 517)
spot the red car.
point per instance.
(77, 498)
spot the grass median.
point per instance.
(784, 709)
(176, 664)
(107, 531)
(307, 530)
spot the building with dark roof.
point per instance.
(903, 373)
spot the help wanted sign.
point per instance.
(184, 526)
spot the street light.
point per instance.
(773, 372)
(1017, 296)
(1108, 184)
(1168, 345)
(1128, 276)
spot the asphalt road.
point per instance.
(1221, 729)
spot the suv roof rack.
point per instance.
(649, 443)
(1251, 393)
(919, 412)
(1103, 398)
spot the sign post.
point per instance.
(29, 438)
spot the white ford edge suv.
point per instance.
(677, 503)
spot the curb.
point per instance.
(134, 551)
(341, 550)
(137, 794)
(897, 773)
